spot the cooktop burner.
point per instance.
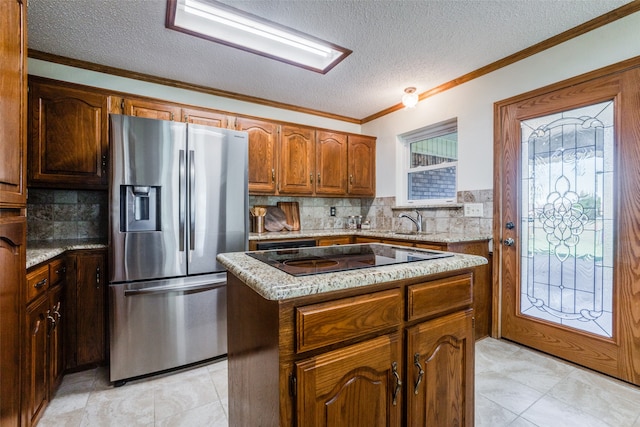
(327, 259)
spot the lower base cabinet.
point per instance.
(85, 338)
(393, 354)
(43, 361)
(65, 325)
(355, 386)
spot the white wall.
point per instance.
(51, 70)
(472, 103)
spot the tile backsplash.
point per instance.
(67, 214)
(383, 214)
(77, 214)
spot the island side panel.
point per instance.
(252, 326)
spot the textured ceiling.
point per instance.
(395, 44)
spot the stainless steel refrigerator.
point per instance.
(178, 197)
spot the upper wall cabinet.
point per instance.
(297, 172)
(362, 165)
(151, 109)
(331, 163)
(207, 118)
(263, 138)
(68, 142)
(13, 103)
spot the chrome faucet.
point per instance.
(417, 221)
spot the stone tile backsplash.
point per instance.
(383, 215)
(67, 214)
(74, 214)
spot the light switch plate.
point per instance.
(473, 209)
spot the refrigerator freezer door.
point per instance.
(147, 222)
(218, 196)
(162, 324)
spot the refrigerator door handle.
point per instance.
(183, 199)
(192, 201)
(180, 289)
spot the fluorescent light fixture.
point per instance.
(224, 24)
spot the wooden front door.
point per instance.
(568, 217)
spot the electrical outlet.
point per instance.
(332, 211)
(473, 209)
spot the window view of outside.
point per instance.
(432, 163)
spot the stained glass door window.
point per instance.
(568, 218)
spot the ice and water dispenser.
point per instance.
(139, 208)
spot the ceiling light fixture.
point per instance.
(410, 97)
(223, 24)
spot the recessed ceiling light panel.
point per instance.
(224, 24)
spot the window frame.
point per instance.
(404, 162)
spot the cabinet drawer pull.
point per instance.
(416, 362)
(41, 283)
(273, 175)
(311, 178)
(318, 178)
(97, 277)
(394, 369)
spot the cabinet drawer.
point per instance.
(331, 322)
(439, 296)
(57, 271)
(37, 282)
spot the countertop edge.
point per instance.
(273, 284)
(42, 251)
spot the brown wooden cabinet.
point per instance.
(85, 337)
(12, 266)
(352, 386)
(263, 152)
(353, 357)
(68, 141)
(13, 102)
(297, 169)
(361, 165)
(151, 109)
(439, 391)
(331, 163)
(207, 117)
(43, 362)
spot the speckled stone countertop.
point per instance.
(274, 284)
(383, 234)
(44, 250)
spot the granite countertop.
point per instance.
(276, 285)
(44, 250)
(384, 234)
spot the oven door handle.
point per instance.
(174, 289)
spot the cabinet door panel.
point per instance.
(12, 268)
(36, 383)
(296, 160)
(13, 102)
(362, 165)
(331, 163)
(56, 359)
(353, 386)
(443, 350)
(90, 314)
(69, 141)
(204, 117)
(151, 109)
(263, 137)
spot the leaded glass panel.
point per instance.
(568, 218)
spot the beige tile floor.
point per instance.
(515, 387)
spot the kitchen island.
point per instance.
(383, 345)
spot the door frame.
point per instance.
(500, 174)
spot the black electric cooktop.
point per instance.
(328, 259)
